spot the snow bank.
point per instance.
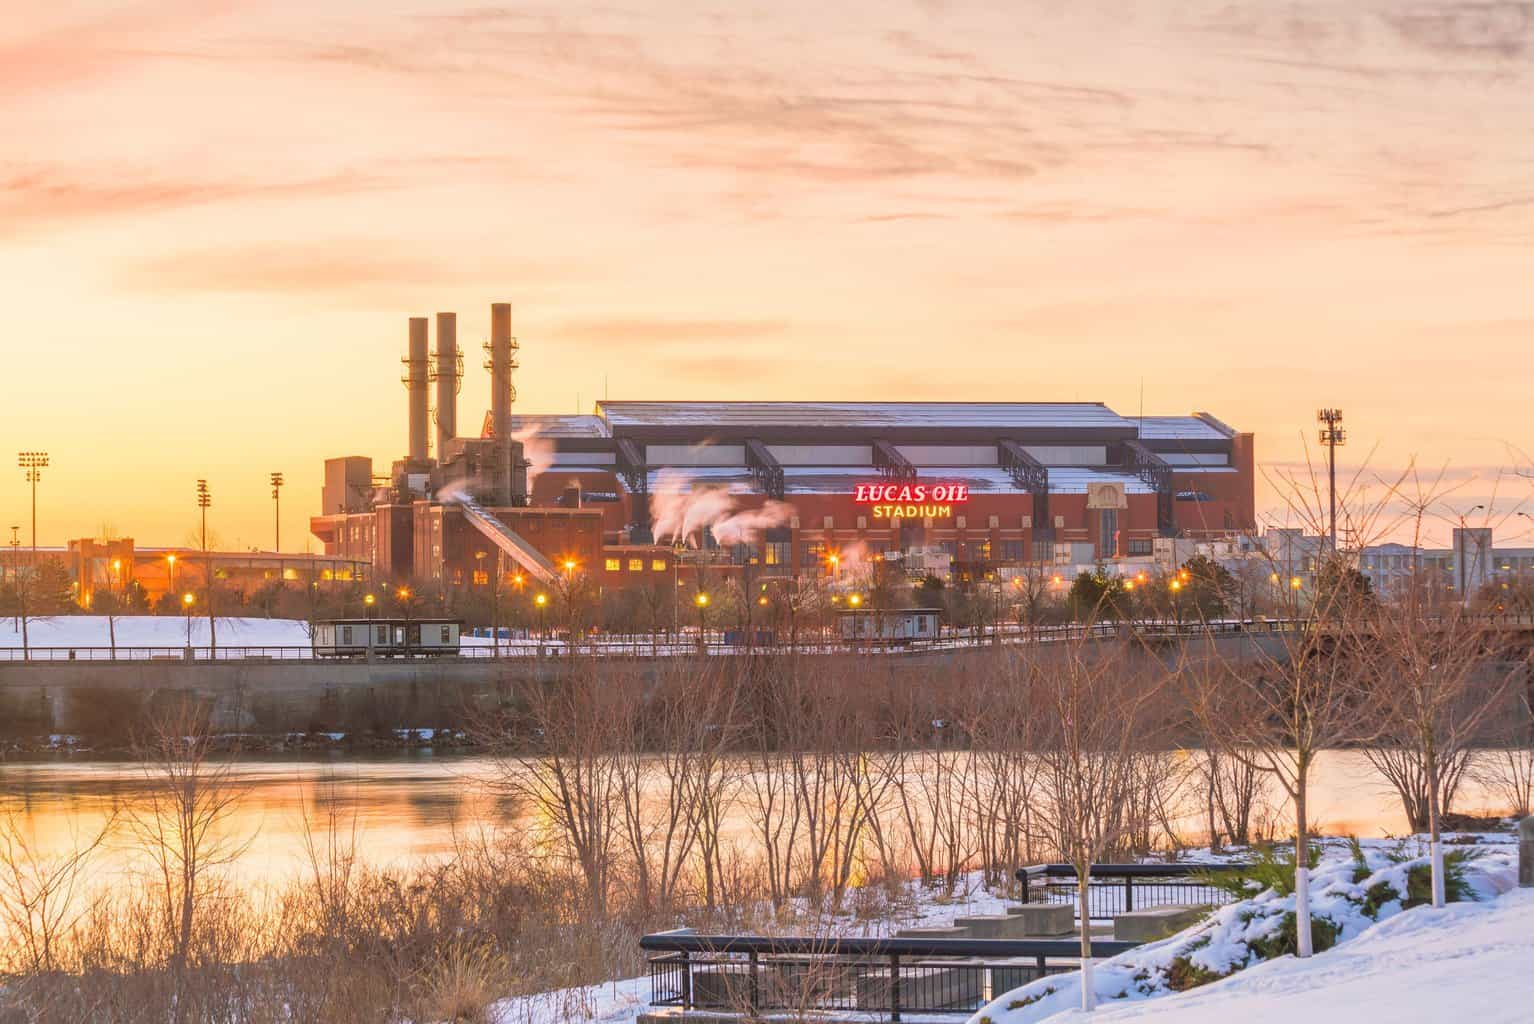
(1350, 894)
(1467, 962)
(154, 631)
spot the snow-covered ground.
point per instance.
(154, 631)
(1468, 962)
(1353, 892)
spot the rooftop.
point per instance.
(881, 415)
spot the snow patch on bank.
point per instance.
(1350, 897)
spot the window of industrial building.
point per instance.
(636, 565)
(1107, 532)
(446, 634)
(814, 554)
(658, 565)
(614, 565)
(950, 548)
(346, 634)
(481, 578)
(776, 552)
(1010, 550)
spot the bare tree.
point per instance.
(40, 894)
(181, 825)
(1099, 716)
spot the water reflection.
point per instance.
(413, 806)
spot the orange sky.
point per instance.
(215, 216)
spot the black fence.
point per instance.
(886, 976)
(1114, 889)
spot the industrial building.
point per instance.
(639, 492)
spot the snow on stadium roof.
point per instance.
(1178, 428)
(560, 425)
(882, 415)
(820, 480)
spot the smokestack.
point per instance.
(447, 376)
(417, 374)
(501, 396)
(501, 393)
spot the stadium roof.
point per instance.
(821, 480)
(880, 415)
(1179, 428)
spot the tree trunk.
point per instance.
(1301, 872)
(1088, 996)
(1435, 844)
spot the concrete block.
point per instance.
(935, 932)
(992, 926)
(1156, 922)
(1044, 919)
(923, 986)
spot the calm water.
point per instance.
(409, 807)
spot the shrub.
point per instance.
(1284, 941)
(1271, 870)
(1184, 974)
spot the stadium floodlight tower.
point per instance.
(1333, 436)
(33, 463)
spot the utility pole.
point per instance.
(21, 592)
(277, 512)
(205, 499)
(33, 463)
(1332, 436)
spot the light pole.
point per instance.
(403, 593)
(700, 600)
(33, 463)
(204, 500)
(21, 592)
(276, 479)
(1333, 436)
(187, 600)
(542, 601)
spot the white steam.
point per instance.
(680, 511)
(537, 451)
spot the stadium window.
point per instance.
(446, 638)
(979, 550)
(1010, 550)
(814, 554)
(614, 565)
(636, 565)
(1141, 546)
(658, 565)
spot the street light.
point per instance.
(542, 601)
(701, 600)
(276, 479)
(187, 600)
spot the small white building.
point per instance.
(898, 625)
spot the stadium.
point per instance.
(638, 493)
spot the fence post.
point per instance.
(686, 981)
(754, 995)
(1025, 886)
(1129, 893)
(894, 986)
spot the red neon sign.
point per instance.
(911, 500)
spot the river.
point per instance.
(409, 807)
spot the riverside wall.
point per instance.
(109, 699)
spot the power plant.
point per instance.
(639, 493)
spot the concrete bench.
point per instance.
(1157, 922)
(939, 985)
(993, 926)
(934, 932)
(1041, 919)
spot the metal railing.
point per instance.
(810, 641)
(750, 974)
(1114, 889)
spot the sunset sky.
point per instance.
(216, 216)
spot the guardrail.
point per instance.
(750, 974)
(1120, 888)
(642, 646)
